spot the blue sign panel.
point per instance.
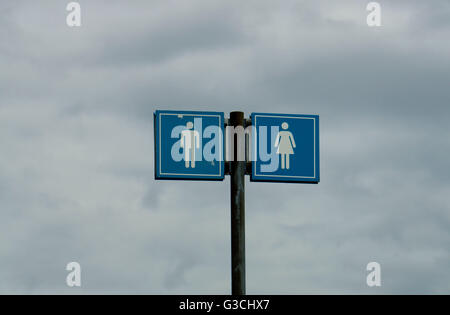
(189, 145)
(285, 148)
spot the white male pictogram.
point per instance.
(190, 141)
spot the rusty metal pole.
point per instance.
(237, 180)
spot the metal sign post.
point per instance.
(237, 185)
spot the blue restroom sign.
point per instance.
(285, 148)
(189, 145)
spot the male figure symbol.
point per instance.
(285, 144)
(190, 140)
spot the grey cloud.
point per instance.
(76, 168)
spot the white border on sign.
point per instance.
(290, 117)
(181, 174)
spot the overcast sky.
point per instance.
(76, 145)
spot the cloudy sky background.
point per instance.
(76, 137)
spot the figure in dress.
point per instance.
(285, 145)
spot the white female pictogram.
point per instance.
(285, 144)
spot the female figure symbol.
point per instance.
(285, 144)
